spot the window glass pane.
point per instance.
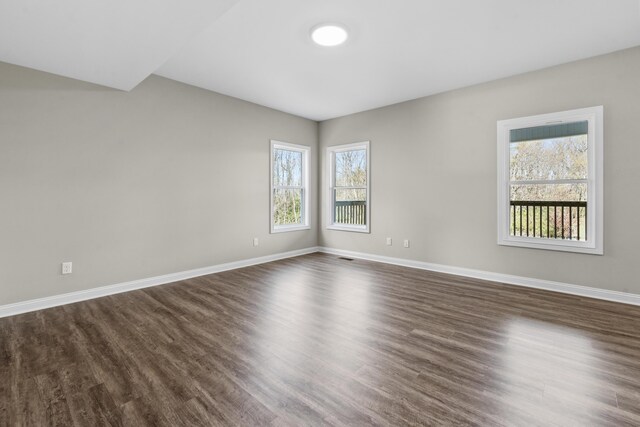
(351, 168)
(550, 181)
(549, 211)
(550, 192)
(545, 159)
(287, 167)
(350, 206)
(287, 206)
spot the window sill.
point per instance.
(286, 229)
(563, 246)
(353, 228)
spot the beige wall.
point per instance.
(169, 177)
(433, 173)
(159, 180)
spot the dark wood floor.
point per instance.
(317, 340)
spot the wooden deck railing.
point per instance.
(552, 220)
(352, 212)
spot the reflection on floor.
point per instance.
(316, 340)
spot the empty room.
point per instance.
(320, 213)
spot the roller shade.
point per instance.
(549, 131)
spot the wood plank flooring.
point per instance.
(318, 340)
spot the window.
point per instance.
(550, 181)
(289, 187)
(349, 187)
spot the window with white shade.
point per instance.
(550, 181)
(349, 187)
(289, 187)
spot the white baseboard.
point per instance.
(56, 300)
(566, 288)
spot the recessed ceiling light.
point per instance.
(329, 34)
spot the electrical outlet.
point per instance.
(67, 267)
(406, 243)
(255, 241)
(389, 241)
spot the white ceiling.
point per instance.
(115, 43)
(260, 50)
(399, 50)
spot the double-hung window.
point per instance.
(349, 187)
(550, 181)
(289, 187)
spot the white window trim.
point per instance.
(305, 150)
(595, 208)
(330, 208)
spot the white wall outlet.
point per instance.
(389, 241)
(255, 241)
(67, 267)
(406, 243)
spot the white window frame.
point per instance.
(595, 151)
(331, 151)
(305, 150)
